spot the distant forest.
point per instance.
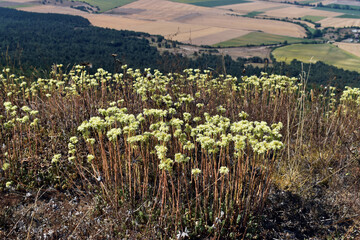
(36, 40)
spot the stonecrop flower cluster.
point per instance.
(180, 118)
(148, 135)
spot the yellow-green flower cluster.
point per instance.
(56, 158)
(272, 83)
(166, 164)
(224, 170)
(350, 96)
(181, 158)
(195, 171)
(72, 148)
(113, 134)
(5, 166)
(90, 158)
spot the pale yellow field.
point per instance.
(181, 22)
(254, 6)
(226, 26)
(210, 39)
(326, 2)
(353, 48)
(54, 9)
(24, 1)
(297, 11)
(172, 30)
(339, 22)
(167, 10)
(249, 24)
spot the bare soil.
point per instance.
(52, 214)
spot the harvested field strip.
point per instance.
(209, 39)
(313, 18)
(56, 9)
(273, 8)
(259, 38)
(340, 22)
(106, 5)
(211, 3)
(326, 53)
(250, 24)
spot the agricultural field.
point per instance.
(54, 9)
(18, 3)
(313, 18)
(339, 22)
(259, 38)
(189, 22)
(249, 24)
(16, 6)
(253, 14)
(106, 5)
(326, 53)
(353, 48)
(349, 16)
(182, 22)
(299, 12)
(211, 3)
(254, 6)
(354, 13)
(247, 52)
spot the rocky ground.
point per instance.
(50, 214)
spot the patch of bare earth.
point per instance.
(247, 52)
(50, 214)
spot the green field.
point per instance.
(353, 13)
(312, 18)
(326, 53)
(349, 16)
(259, 38)
(310, 1)
(343, 6)
(211, 3)
(253, 14)
(22, 6)
(106, 5)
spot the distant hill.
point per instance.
(40, 40)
